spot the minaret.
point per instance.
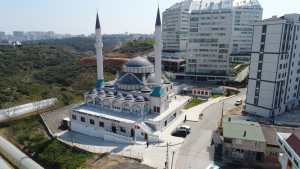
(158, 92)
(99, 46)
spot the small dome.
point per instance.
(109, 84)
(167, 81)
(146, 89)
(117, 72)
(119, 96)
(93, 91)
(110, 94)
(129, 97)
(139, 99)
(138, 62)
(151, 78)
(101, 92)
(144, 75)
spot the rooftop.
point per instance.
(235, 129)
(270, 132)
(294, 142)
(202, 88)
(271, 19)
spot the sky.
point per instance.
(116, 16)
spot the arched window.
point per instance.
(106, 103)
(126, 107)
(116, 105)
(98, 101)
(136, 109)
(89, 100)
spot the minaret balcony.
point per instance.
(158, 46)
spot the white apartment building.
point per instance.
(176, 26)
(244, 13)
(274, 74)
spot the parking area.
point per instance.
(54, 118)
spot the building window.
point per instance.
(263, 38)
(258, 75)
(273, 154)
(291, 72)
(281, 57)
(256, 144)
(154, 108)
(158, 109)
(101, 124)
(92, 121)
(239, 142)
(255, 101)
(256, 92)
(294, 95)
(297, 79)
(82, 119)
(74, 117)
(280, 66)
(259, 66)
(279, 76)
(262, 46)
(264, 29)
(261, 57)
(258, 84)
(123, 129)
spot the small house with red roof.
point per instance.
(201, 91)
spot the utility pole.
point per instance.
(172, 160)
(167, 157)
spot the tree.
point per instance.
(9, 112)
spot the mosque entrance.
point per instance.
(114, 129)
(132, 132)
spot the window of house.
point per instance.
(101, 124)
(259, 66)
(255, 101)
(297, 79)
(256, 92)
(123, 129)
(263, 38)
(158, 109)
(92, 121)
(74, 117)
(257, 83)
(258, 75)
(154, 108)
(279, 76)
(273, 154)
(264, 29)
(280, 66)
(255, 144)
(281, 57)
(262, 47)
(82, 119)
(261, 57)
(239, 142)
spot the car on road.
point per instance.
(238, 102)
(65, 122)
(181, 131)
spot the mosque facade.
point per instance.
(135, 104)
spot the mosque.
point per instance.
(137, 104)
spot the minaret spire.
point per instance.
(158, 23)
(99, 46)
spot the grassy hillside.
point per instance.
(135, 47)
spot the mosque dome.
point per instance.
(110, 94)
(151, 78)
(167, 81)
(146, 89)
(109, 84)
(129, 97)
(129, 79)
(139, 99)
(119, 96)
(101, 92)
(138, 62)
(93, 91)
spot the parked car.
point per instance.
(65, 122)
(238, 102)
(181, 131)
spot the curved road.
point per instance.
(196, 151)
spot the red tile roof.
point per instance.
(202, 88)
(271, 19)
(294, 142)
(270, 132)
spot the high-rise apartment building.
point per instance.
(244, 12)
(176, 27)
(18, 33)
(274, 74)
(211, 32)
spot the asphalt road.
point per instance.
(197, 151)
(54, 118)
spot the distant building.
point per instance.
(289, 143)
(141, 38)
(68, 35)
(18, 33)
(131, 38)
(2, 34)
(126, 33)
(273, 85)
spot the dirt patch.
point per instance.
(103, 161)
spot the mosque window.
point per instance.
(154, 108)
(74, 117)
(123, 129)
(82, 119)
(92, 121)
(101, 124)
